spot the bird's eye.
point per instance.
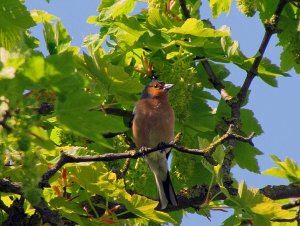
(156, 86)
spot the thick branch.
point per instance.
(48, 215)
(276, 192)
(10, 187)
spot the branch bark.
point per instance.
(205, 152)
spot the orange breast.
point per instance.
(153, 123)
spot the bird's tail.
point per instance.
(166, 192)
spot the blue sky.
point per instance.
(277, 109)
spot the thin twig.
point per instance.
(218, 85)
(125, 168)
(184, 9)
(291, 205)
(205, 63)
(115, 111)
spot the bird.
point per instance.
(153, 124)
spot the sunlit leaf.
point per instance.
(217, 7)
(14, 21)
(56, 37)
(40, 16)
(112, 9)
(196, 28)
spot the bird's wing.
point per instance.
(132, 116)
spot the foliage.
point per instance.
(52, 104)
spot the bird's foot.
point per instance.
(143, 150)
(161, 146)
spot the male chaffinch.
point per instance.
(153, 123)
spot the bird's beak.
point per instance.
(168, 86)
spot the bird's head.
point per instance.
(156, 89)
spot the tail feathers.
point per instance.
(166, 192)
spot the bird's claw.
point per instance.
(161, 146)
(143, 150)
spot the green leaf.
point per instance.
(67, 206)
(159, 19)
(196, 28)
(56, 72)
(266, 9)
(266, 68)
(217, 7)
(56, 37)
(276, 172)
(41, 138)
(114, 8)
(112, 78)
(34, 69)
(106, 184)
(289, 38)
(256, 206)
(130, 30)
(245, 156)
(233, 220)
(185, 168)
(95, 178)
(40, 16)
(14, 21)
(144, 208)
(288, 169)
(200, 115)
(75, 113)
(270, 80)
(250, 123)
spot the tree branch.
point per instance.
(115, 111)
(3, 206)
(184, 9)
(277, 192)
(206, 153)
(48, 215)
(10, 187)
(291, 205)
(270, 29)
(217, 84)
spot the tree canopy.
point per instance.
(66, 149)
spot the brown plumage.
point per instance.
(153, 123)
